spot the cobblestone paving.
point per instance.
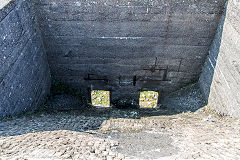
(120, 134)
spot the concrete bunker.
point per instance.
(124, 47)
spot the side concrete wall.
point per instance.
(24, 71)
(127, 46)
(220, 79)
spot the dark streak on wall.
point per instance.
(24, 71)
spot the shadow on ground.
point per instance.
(110, 133)
(91, 118)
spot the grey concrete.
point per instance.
(64, 102)
(121, 46)
(220, 78)
(127, 46)
(24, 72)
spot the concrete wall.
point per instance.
(24, 72)
(220, 80)
(127, 46)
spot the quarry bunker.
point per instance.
(124, 47)
(156, 71)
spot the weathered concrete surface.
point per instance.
(127, 46)
(221, 73)
(121, 46)
(24, 71)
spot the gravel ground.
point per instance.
(186, 99)
(110, 133)
(120, 134)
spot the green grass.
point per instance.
(100, 98)
(189, 85)
(148, 99)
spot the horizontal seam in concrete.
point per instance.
(155, 46)
(123, 6)
(143, 37)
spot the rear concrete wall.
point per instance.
(127, 46)
(24, 71)
(220, 80)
